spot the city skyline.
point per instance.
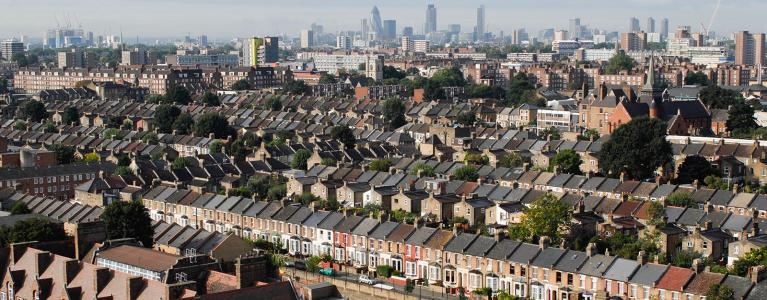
(292, 16)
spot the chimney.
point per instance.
(754, 273)
(707, 225)
(71, 267)
(697, 265)
(455, 229)
(526, 167)
(211, 136)
(696, 184)
(101, 277)
(42, 261)
(543, 242)
(642, 258)
(623, 176)
(497, 235)
(754, 227)
(133, 287)
(590, 249)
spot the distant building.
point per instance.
(76, 59)
(421, 46)
(431, 19)
(203, 60)
(344, 42)
(749, 48)
(307, 38)
(135, 57)
(10, 47)
(390, 29)
(633, 41)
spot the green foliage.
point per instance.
(657, 213)
(92, 157)
(20, 125)
(424, 169)
(693, 168)
(35, 229)
(64, 154)
(409, 285)
(484, 91)
(394, 112)
(547, 216)
(22, 60)
(566, 161)
(511, 160)
(638, 147)
(373, 208)
(183, 124)
(381, 165)
(741, 118)
(589, 134)
(716, 97)
(299, 159)
(241, 85)
(216, 147)
(467, 119)
(214, 123)
(210, 99)
(390, 72)
(313, 263)
(34, 111)
(716, 182)
(183, 162)
(551, 133)
(327, 79)
(178, 95)
(755, 257)
(520, 91)
(50, 127)
(720, 292)
(150, 138)
(466, 173)
(474, 158)
(684, 258)
(344, 135)
(696, 78)
(123, 170)
(128, 220)
(385, 271)
(274, 103)
(626, 246)
(237, 149)
(400, 215)
(681, 199)
(328, 161)
(70, 116)
(111, 133)
(20, 208)
(620, 62)
(307, 198)
(164, 117)
(296, 87)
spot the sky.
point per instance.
(225, 19)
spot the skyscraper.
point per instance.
(376, 25)
(634, 25)
(343, 42)
(307, 38)
(454, 28)
(431, 19)
(650, 25)
(749, 48)
(390, 29)
(250, 51)
(480, 31)
(364, 29)
(407, 31)
(575, 28)
(664, 28)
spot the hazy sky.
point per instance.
(224, 19)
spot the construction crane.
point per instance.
(705, 30)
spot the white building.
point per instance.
(344, 42)
(406, 44)
(307, 38)
(421, 46)
(598, 54)
(568, 47)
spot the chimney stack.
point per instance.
(543, 242)
(754, 273)
(590, 249)
(642, 258)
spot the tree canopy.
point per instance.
(620, 62)
(344, 135)
(511, 160)
(741, 118)
(128, 220)
(696, 78)
(521, 91)
(694, 167)
(178, 95)
(547, 216)
(299, 159)
(164, 116)
(566, 161)
(394, 112)
(35, 229)
(296, 87)
(71, 116)
(466, 173)
(681, 199)
(638, 147)
(34, 111)
(214, 123)
(381, 165)
(422, 169)
(716, 97)
(719, 292)
(183, 124)
(241, 85)
(210, 99)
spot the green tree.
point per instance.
(299, 159)
(241, 85)
(20, 208)
(20, 125)
(381, 165)
(657, 213)
(448, 77)
(216, 147)
(466, 173)
(394, 112)
(511, 160)
(741, 118)
(344, 135)
(755, 257)
(210, 99)
(720, 292)
(638, 147)
(274, 103)
(296, 87)
(390, 72)
(327, 79)
(423, 169)
(328, 161)
(475, 158)
(313, 264)
(693, 168)
(589, 134)
(716, 97)
(164, 116)
(620, 62)
(551, 133)
(128, 220)
(696, 78)
(409, 286)
(684, 258)
(467, 119)
(681, 199)
(71, 116)
(237, 149)
(547, 216)
(35, 229)
(92, 157)
(150, 138)
(178, 95)
(64, 154)
(183, 124)
(566, 161)
(20, 59)
(34, 111)
(183, 162)
(50, 127)
(214, 123)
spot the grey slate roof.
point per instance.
(420, 236)
(596, 265)
(621, 269)
(649, 274)
(383, 230)
(365, 227)
(548, 257)
(503, 249)
(481, 246)
(460, 243)
(525, 253)
(571, 261)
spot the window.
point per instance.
(646, 293)
(593, 284)
(582, 282)
(474, 281)
(662, 295)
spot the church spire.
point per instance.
(651, 88)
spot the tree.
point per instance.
(467, 119)
(216, 147)
(693, 168)
(719, 292)
(150, 138)
(520, 91)
(380, 165)
(741, 118)
(551, 133)
(50, 127)
(20, 125)
(128, 220)
(34, 111)
(183, 124)
(390, 72)
(20, 208)
(589, 134)
(274, 103)
(566, 161)
(35, 229)
(448, 77)
(684, 258)
(681, 199)
(344, 135)
(422, 169)
(183, 162)
(313, 263)
(237, 150)
(20, 59)
(394, 112)
(64, 154)
(241, 85)
(210, 99)
(214, 123)
(409, 285)
(716, 97)
(164, 116)
(466, 173)
(696, 78)
(620, 62)
(328, 161)
(92, 157)
(755, 257)
(299, 159)
(547, 216)
(71, 116)
(476, 159)
(327, 79)
(657, 213)
(296, 87)
(511, 160)
(178, 95)
(638, 147)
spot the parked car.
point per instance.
(328, 272)
(366, 280)
(299, 265)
